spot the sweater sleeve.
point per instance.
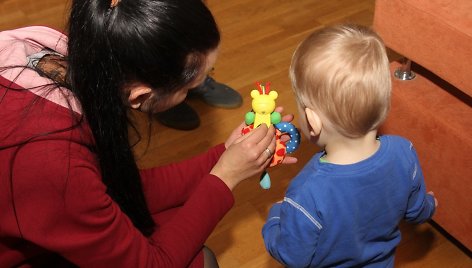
(291, 233)
(61, 205)
(171, 185)
(421, 205)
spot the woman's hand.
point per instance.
(245, 156)
(237, 131)
(235, 134)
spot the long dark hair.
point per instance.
(161, 43)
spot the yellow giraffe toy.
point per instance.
(263, 106)
(263, 112)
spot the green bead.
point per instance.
(275, 118)
(249, 118)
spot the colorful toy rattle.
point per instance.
(263, 106)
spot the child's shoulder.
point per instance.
(399, 144)
(396, 140)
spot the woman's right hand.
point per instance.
(246, 156)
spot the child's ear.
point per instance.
(138, 95)
(314, 120)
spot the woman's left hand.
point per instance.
(236, 133)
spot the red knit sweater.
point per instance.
(53, 202)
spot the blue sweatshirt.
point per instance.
(348, 215)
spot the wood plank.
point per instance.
(258, 39)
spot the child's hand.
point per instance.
(286, 118)
(435, 200)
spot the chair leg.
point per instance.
(404, 72)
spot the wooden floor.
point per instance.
(258, 38)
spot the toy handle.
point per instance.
(294, 134)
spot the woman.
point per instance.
(71, 191)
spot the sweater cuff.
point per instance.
(220, 148)
(275, 210)
(430, 200)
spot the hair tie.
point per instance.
(114, 3)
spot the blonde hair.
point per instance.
(343, 73)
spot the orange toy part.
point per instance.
(280, 146)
